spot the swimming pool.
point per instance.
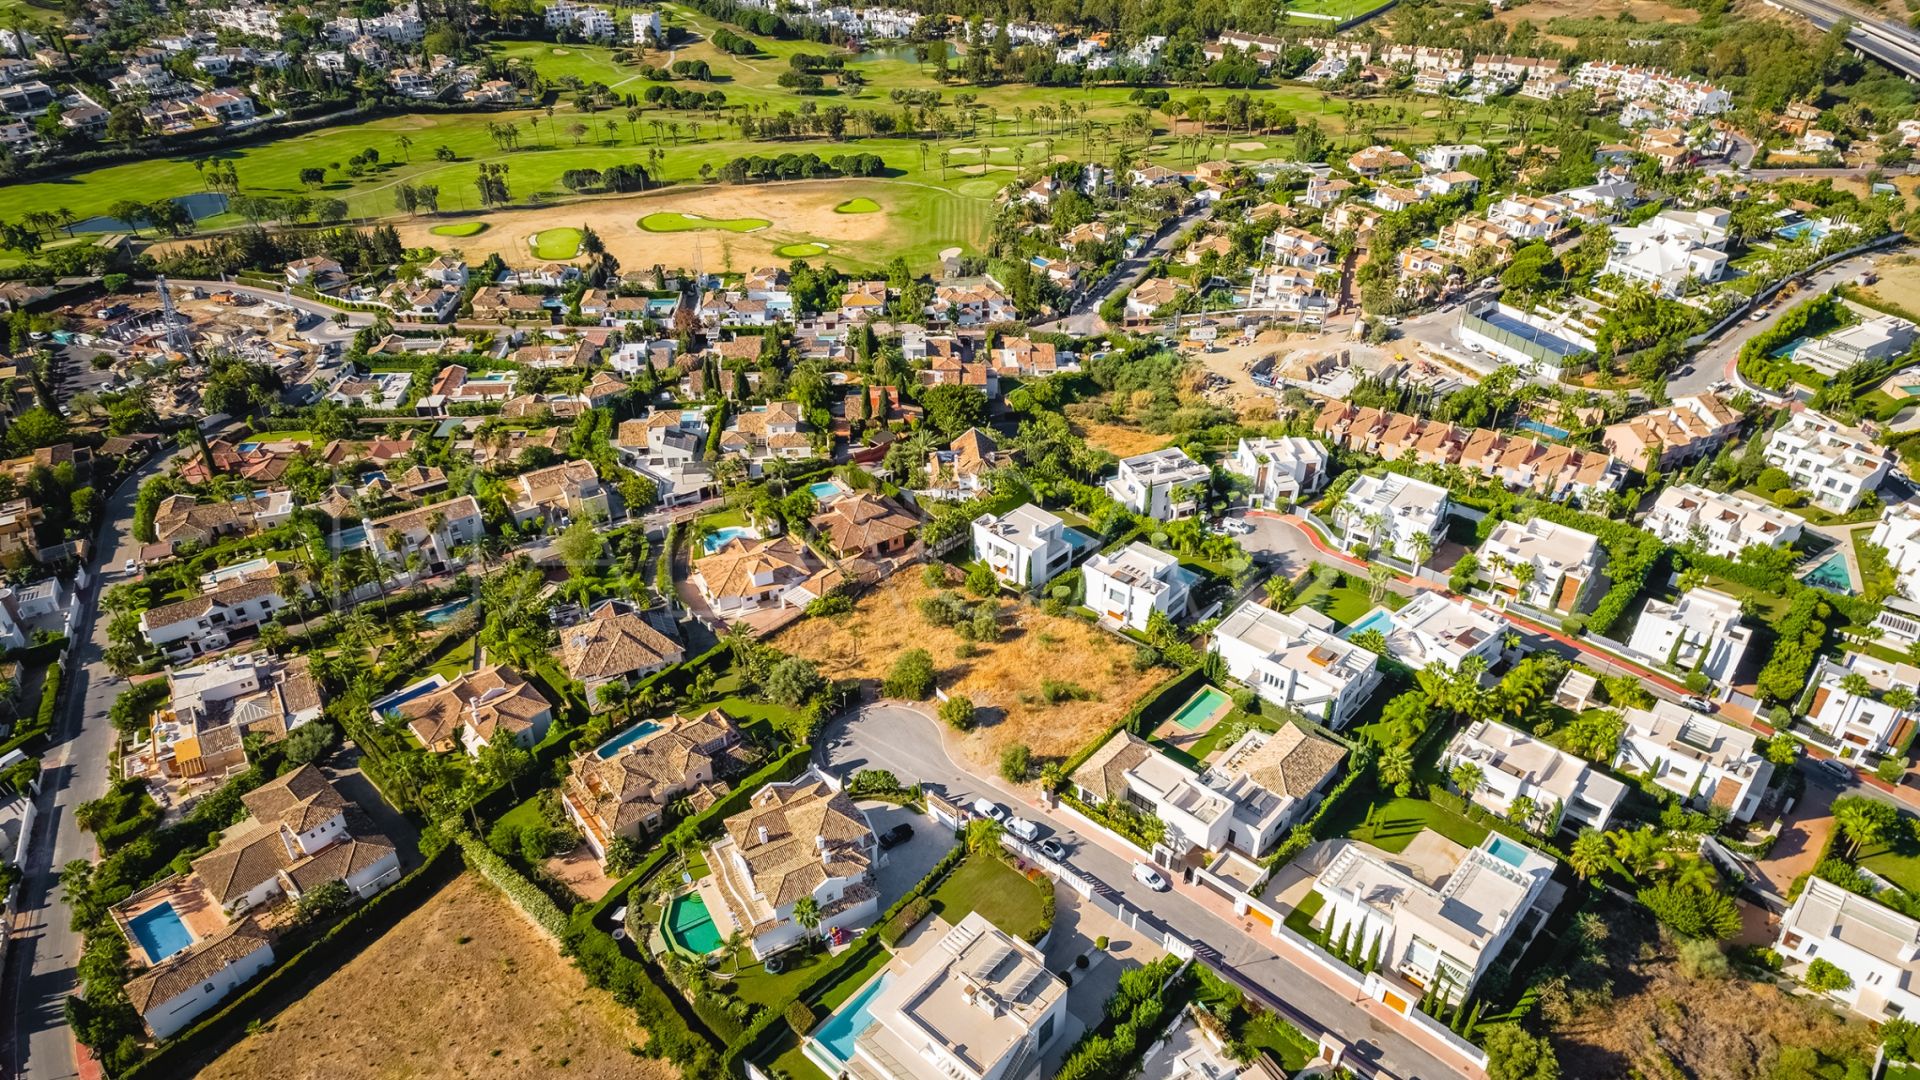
(824, 490)
(1507, 851)
(723, 536)
(1816, 230)
(249, 447)
(400, 697)
(690, 925)
(444, 614)
(160, 932)
(1378, 619)
(1537, 427)
(349, 538)
(1200, 708)
(836, 1036)
(625, 739)
(1831, 574)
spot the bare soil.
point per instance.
(799, 212)
(1121, 440)
(1542, 12)
(463, 987)
(1899, 280)
(1003, 679)
(1660, 1020)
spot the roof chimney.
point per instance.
(763, 834)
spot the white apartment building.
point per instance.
(1289, 291)
(1387, 512)
(1437, 629)
(1282, 470)
(1541, 563)
(588, 22)
(1672, 252)
(1685, 98)
(647, 29)
(1876, 946)
(1835, 464)
(1438, 937)
(1446, 157)
(1899, 533)
(1700, 632)
(1723, 523)
(1295, 664)
(1861, 725)
(1296, 247)
(1566, 791)
(1703, 761)
(207, 622)
(1127, 587)
(1026, 547)
(1164, 484)
(978, 1005)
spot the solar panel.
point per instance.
(993, 959)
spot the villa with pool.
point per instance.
(977, 1004)
(623, 787)
(470, 711)
(1296, 661)
(194, 937)
(799, 839)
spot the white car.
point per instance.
(1150, 877)
(130, 566)
(989, 810)
(1024, 829)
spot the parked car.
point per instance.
(1024, 829)
(1838, 769)
(896, 836)
(990, 810)
(1148, 876)
(1053, 849)
(130, 567)
(1699, 704)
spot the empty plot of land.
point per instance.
(1899, 281)
(463, 987)
(1004, 679)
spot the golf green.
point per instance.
(861, 205)
(561, 243)
(800, 251)
(462, 228)
(674, 221)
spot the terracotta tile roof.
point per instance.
(731, 570)
(489, 700)
(862, 522)
(613, 643)
(1104, 774)
(811, 831)
(1292, 763)
(183, 973)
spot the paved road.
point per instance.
(909, 744)
(40, 963)
(1891, 43)
(1715, 361)
(355, 319)
(1084, 319)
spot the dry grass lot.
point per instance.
(1121, 440)
(1899, 280)
(1541, 12)
(463, 987)
(864, 643)
(798, 212)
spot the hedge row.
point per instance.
(288, 982)
(1143, 716)
(42, 724)
(525, 894)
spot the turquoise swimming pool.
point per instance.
(160, 932)
(824, 490)
(625, 739)
(721, 537)
(1200, 708)
(691, 925)
(836, 1036)
(1832, 575)
(1508, 851)
(1378, 619)
(444, 614)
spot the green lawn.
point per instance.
(460, 228)
(1210, 740)
(1300, 919)
(1349, 599)
(668, 221)
(860, 205)
(994, 889)
(1902, 1071)
(557, 243)
(1898, 862)
(1340, 10)
(1265, 1031)
(936, 204)
(800, 251)
(1390, 823)
(458, 659)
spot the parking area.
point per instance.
(906, 863)
(1276, 545)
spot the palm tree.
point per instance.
(1467, 778)
(1590, 853)
(1422, 551)
(806, 913)
(1396, 766)
(1866, 821)
(1855, 684)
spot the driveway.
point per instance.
(1275, 544)
(906, 864)
(1803, 833)
(911, 744)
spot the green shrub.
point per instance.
(911, 677)
(917, 908)
(1771, 480)
(957, 712)
(1825, 976)
(1016, 761)
(800, 1018)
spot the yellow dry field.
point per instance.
(1120, 440)
(464, 987)
(1541, 12)
(1899, 281)
(799, 213)
(1003, 679)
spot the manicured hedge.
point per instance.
(42, 724)
(525, 894)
